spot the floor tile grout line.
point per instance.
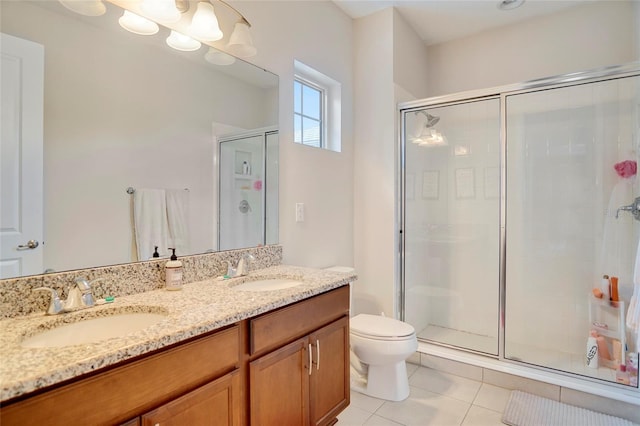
(466, 414)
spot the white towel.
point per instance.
(150, 219)
(178, 218)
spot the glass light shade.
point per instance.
(182, 42)
(85, 7)
(240, 43)
(217, 57)
(137, 24)
(204, 24)
(161, 10)
(432, 138)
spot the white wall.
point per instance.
(374, 164)
(410, 60)
(320, 35)
(580, 38)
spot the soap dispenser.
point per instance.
(173, 272)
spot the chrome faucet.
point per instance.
(242, 268)
(633, 208)
(80, 297)
(243, 264)
(55, 304)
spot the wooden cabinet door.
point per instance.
(279, 386)
(214, 404)
(329, 380)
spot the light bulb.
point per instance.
(85, 7)
(137, 24)
(182, 42)
(204, 24)
(240, 43)
(217, 57)
(161, 10)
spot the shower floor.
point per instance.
(543, 357)
(461, 339)
(563, 361)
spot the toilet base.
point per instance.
(389, 382)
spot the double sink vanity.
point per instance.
(271, 347)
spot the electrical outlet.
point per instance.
(299, 212)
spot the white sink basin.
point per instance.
(267, 284)
(92, 330)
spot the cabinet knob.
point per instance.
(310, 359)
(318, 351)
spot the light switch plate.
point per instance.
(299, 212)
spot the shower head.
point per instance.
(431, 119)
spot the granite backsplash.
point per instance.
(17, 297)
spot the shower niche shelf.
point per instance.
(607, 319)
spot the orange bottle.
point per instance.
(614, 289)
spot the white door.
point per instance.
(21, 217)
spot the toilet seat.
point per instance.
(377, 327)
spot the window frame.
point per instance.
(322, 120)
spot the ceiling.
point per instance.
(437, 21)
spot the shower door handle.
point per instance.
(634, 208)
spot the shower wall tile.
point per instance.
(510, 381)
(452, 367)
(598, 403)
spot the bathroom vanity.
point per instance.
(280, 357)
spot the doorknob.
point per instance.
(31, 244)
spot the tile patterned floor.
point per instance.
(436, 399)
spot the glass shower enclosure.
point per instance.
(517, 213)
(248, 189)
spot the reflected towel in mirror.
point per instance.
(178, 219)
(150, 222)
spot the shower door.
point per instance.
(452, 224)
(248, 190)
(564, 231)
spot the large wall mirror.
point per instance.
(124, 111)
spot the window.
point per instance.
(308, 113)
(316, 109)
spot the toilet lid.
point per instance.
(379, 327)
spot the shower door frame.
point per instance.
(501, 92)
(263, 133)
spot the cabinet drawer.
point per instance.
(279, 327)
(126, 391)
(216, 403)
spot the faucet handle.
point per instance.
(85, 285)
(55, 304)
(231, 271)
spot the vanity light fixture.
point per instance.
(216, 57)
(164, 11)
(85, 7)
(137, 24)
(432, 137)
(182, 42)
(240, 43)
(204, 24)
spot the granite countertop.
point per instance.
(198, 308)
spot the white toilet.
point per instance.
(379, 349)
